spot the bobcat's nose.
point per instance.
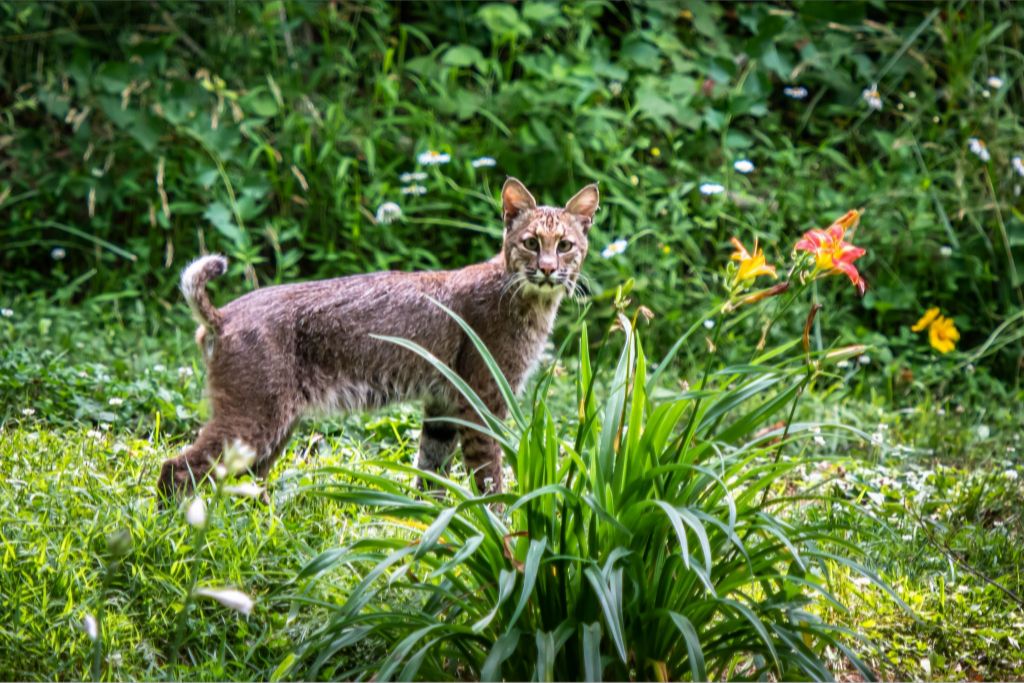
(547, 267)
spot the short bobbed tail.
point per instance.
(193, 286)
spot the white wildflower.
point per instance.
(121, 447)
(414, 189)
(872, 97)
(615, 88)
(946, 251)
(229, 597)
(6, 312)
(744, 166)
(94, 434)
(983, 431)
(388, 213)
(615, 248)
(795, 92)
(876, 498)
(994, 82)
(184, 371)
(58, 254)
(195, 513)
(862, 581)
(245, 490)
(432, 158)
(980, 149)
(115, 402)
(28, 412)
(90, 627)
(843, 364)
(864, 359)
(709, 323)
(413, 177)
(239, 457)
(483, 162)
(1018, 165)
(711, 188)
(1012, 475)
(877, 439)
(819, 440)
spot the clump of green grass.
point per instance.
(83, 538)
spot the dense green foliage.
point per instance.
(140, 134)
(719, 500)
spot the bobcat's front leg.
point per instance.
(437, 441)
(481, 454)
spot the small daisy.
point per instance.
(229, 597)
(388, 213)
(711, 188)
(195, 513)
(93, 434)
(432, 158)
(994, 82)
(115, 402)
(744, 166)
(6, 312)
(244, 490)
(58, 254)
(796, 93)
(90, 627)
(872, 97)
(414, 189)
(28, 412)
(184, 371)
(413, 177)
(1018, 165)
(980, 149)
(483, 162)
(1012, 475)
(615, 248)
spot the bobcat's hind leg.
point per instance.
(266, 437)
(438, 441)
(180, 474)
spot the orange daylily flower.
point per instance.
(832, 253)
(751, 266)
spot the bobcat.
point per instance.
(276, 353)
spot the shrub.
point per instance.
(642, 540)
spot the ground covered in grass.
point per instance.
(83, 536)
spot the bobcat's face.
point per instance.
(545, 246)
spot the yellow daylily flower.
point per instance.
(926, 319)
(943, 335)
(751, 266)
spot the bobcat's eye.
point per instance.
(564, 246)
(531, 243)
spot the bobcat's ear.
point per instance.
(585, 204)
(515, 199)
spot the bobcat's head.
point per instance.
(545, 246)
